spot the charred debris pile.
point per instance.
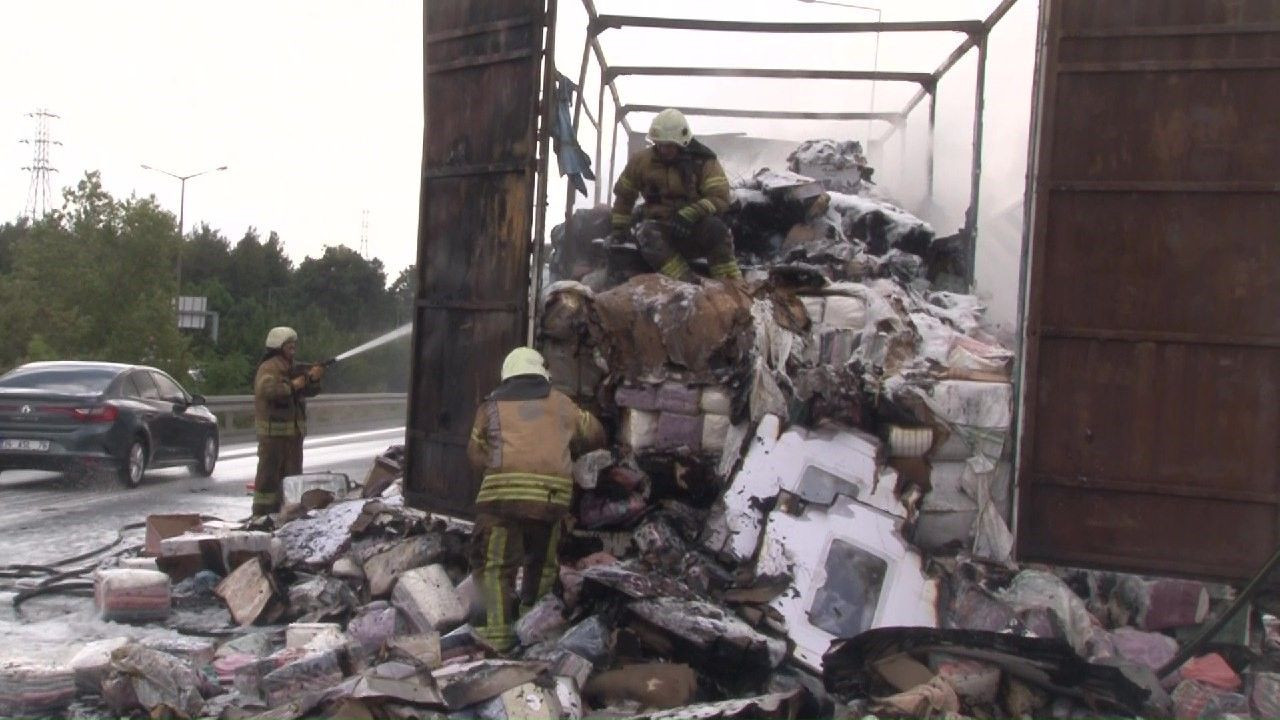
(804, 513)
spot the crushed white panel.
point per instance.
(817, 465)
(734, 531)
(793, 185)
(851, 571)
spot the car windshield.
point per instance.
(62, 380)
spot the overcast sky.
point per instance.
(315, 106)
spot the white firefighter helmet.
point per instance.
(279, 336)
(670, 126)
(524, 361)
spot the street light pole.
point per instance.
(182, 208)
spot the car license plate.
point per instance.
(28, 445)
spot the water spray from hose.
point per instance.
(379, 341)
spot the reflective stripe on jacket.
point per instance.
(694, 180)
(523, 437)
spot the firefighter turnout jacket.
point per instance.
(279, 410)
(693, 184)
(523, 436)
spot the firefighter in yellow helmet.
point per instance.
(280, 417)
(685, 191)
(523, 436)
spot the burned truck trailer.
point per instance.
(1148, 387)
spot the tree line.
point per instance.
(96, 280)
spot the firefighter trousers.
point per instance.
(501, 547)
(278, 458)
(710, 238)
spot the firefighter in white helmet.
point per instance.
(522, 439)
(280, 417)
(685, 191)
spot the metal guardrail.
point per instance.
(235, 412)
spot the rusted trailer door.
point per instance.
(1152, 387)
(482, 80)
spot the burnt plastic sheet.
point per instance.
(774, 706)
(616, 580)
(708, 637)
(1047, 664)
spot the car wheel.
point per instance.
(207, 458)
(134, 464)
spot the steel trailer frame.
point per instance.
(976, 34)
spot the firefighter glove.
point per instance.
(686, 217)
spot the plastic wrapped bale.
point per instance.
(976, 416)
(428, 599)
(592, 639)
(383, 563)
(221, 552)
(597, 509)
(574, 254)
(91, 662)
(639, 429)
(132, 595)
(375, 624)
(950, 511)
(587, 469)
(197, 651)
(882, 226)
(840, 165)
(1148, 649)
(544, 621)
(35, 689)
(153, 681)
(575, 368)
(653, 321)
(1034, 590)
(317, 671)
(297, 487)
(320, 598)
(304, 634)
(677, 432)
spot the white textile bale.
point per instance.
(91, 662)
(715, 428)
(716, 400)
(35, 689)
(427, 597)
(639, 429)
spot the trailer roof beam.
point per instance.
(922, 78)
(605, 22)
(891, 117)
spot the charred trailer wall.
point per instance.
(482, 77)
(1151, 436)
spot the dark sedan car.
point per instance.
(89, 415)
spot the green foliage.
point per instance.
(96, 281)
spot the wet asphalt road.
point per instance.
(44, 518)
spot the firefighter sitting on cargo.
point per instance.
(522, 437)
(684, 189)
